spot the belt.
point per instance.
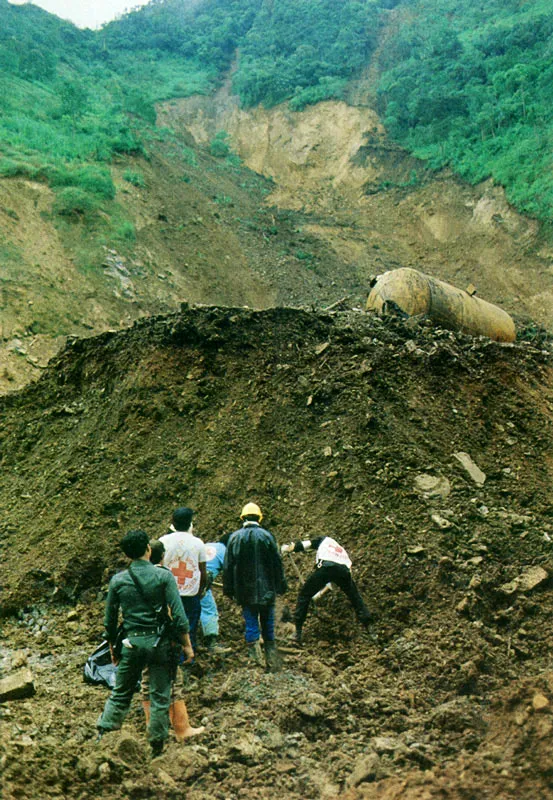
(144, 632)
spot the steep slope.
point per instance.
(199, 233)
(338, 204)
(334, 423)
(379, 207)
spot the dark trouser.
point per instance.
(330, 573)
(133, 660)
(257, 617)
(192, 608)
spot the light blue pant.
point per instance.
(210, 616)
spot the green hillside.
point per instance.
(470, 85)
(464, 85)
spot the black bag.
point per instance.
(99, 669)
(118, 644)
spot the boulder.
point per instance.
(17, 686)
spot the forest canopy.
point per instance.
(471, 87)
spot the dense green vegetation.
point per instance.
(288, 50)
(463, 84)
(471, 86)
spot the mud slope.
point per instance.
(336, 423)
(379, 208)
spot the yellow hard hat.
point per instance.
(250, 509)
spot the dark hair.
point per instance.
(224, 539)
(182, 518)
(158, 551)
(135, 544)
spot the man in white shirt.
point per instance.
(185, 556)
(333, 565)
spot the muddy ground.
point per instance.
(338, 423)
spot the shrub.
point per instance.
(90, 178)
(329, 88)
(219, 146)
(10, 168)
(126, 231)
(75, 202)
(223, 200)
(189, 157)
(136, 178)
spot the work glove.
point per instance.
(287, 548)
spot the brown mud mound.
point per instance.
(427, 454)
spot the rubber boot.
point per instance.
(146, 707)
(178, 714)
(254, 653)
(272, 657)
(214, 647)
(157, 747)
(298, 638)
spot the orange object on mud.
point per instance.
(415, 293)
(178, 714)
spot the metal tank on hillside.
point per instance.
(414, 292)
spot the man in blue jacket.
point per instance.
(209, 619)
(142, 592)
(253, 576)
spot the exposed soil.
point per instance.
(320, 203)
(338, 423)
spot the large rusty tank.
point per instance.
(414, 292)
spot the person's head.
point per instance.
(158, 551)
(251, 512)
(224, 539)
(135, 543)
(182, 518)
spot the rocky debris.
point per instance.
(114, 266)
(540, 702)
(441, 522)
(473, 470)
(367, 768)
(529, 580)
(209, 405)
(17, 686)
(432, 486)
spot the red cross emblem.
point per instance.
(182, 572)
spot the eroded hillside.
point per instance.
(336, 423)
(322, 203)
(202, 234)
(379, 207)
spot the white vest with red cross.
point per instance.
(330, 550)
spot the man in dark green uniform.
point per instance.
(141, 591)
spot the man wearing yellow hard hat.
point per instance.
(253, 576)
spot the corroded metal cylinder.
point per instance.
(415, 293)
